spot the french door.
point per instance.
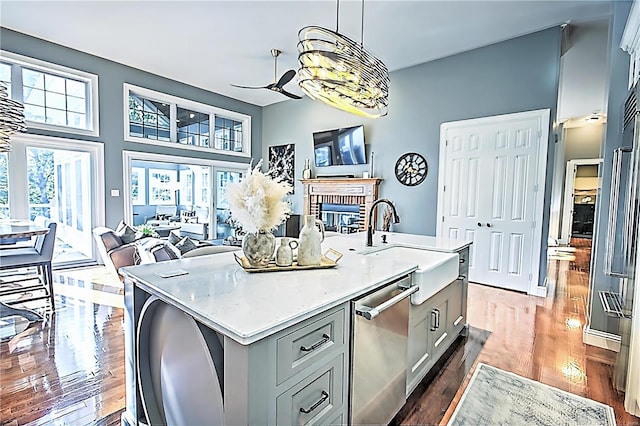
(223, 177)
(54, 179)
(491, 186)
(188, 184)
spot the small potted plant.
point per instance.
(147, 230)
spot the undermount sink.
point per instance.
(435, 269)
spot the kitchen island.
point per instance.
(260, 348)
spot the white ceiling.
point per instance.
(210, 44)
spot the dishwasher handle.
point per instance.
(370, 313)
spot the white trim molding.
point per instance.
(631, 42)
(569, 189)
(129, 156)
(600, 339)
(91, 80)
(543, 119)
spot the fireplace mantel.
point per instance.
(360, 191)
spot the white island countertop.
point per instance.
(250, 306)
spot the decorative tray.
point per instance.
(329, 260)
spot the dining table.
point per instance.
(20, 229)
(12, 231)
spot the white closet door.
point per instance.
(490, 191)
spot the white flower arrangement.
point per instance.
(257, 202)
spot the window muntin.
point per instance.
(54, 97)
(149, 119)
(54, 100)
(228, 134)
(193, 127)
(190, 124)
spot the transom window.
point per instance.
(149, 119)
(54, 97)
(158, 118)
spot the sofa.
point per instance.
(124, 246)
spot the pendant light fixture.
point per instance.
(11, 118)
(340, 72)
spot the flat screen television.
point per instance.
(338, 147)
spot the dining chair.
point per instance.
(39, 256)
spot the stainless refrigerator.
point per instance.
(622, 235)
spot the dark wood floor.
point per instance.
(70, 370)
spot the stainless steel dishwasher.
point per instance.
(379, 353)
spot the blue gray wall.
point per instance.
(516, 75)
(111, 76)
(618, 79)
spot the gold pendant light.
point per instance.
(340, 72)
(11, 118)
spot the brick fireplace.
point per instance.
(341, 192)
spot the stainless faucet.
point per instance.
(370, 230)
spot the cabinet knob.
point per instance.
(488, 225)
(480, 224)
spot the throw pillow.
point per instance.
(174, 238)
(186, 244)
(126, 233)
(110, 240)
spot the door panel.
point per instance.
(490, 178)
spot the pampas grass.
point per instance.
(257, 202)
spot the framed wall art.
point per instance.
(282, 159)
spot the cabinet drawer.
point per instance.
(307, 344)
(317, 399)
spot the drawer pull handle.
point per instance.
(324, 397)
(325, 339)
(434, 316)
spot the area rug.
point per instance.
(497, 397)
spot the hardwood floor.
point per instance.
(70, 370)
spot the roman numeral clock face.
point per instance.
(411, 169)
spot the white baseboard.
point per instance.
(601, 339)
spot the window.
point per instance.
(162, 186)
(193, 127)
(54, 97)
(157, 118)
(148, 118)
(138, 186)
(228, 134)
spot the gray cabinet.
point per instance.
(420, 345)
(435, 324)
(309, 384)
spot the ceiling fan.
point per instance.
(277, 85)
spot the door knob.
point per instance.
(488, 225)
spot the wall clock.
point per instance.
(411, 169)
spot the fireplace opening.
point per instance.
(343, 218)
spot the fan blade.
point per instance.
(286, 77)
(291, 95)
(253, 87)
